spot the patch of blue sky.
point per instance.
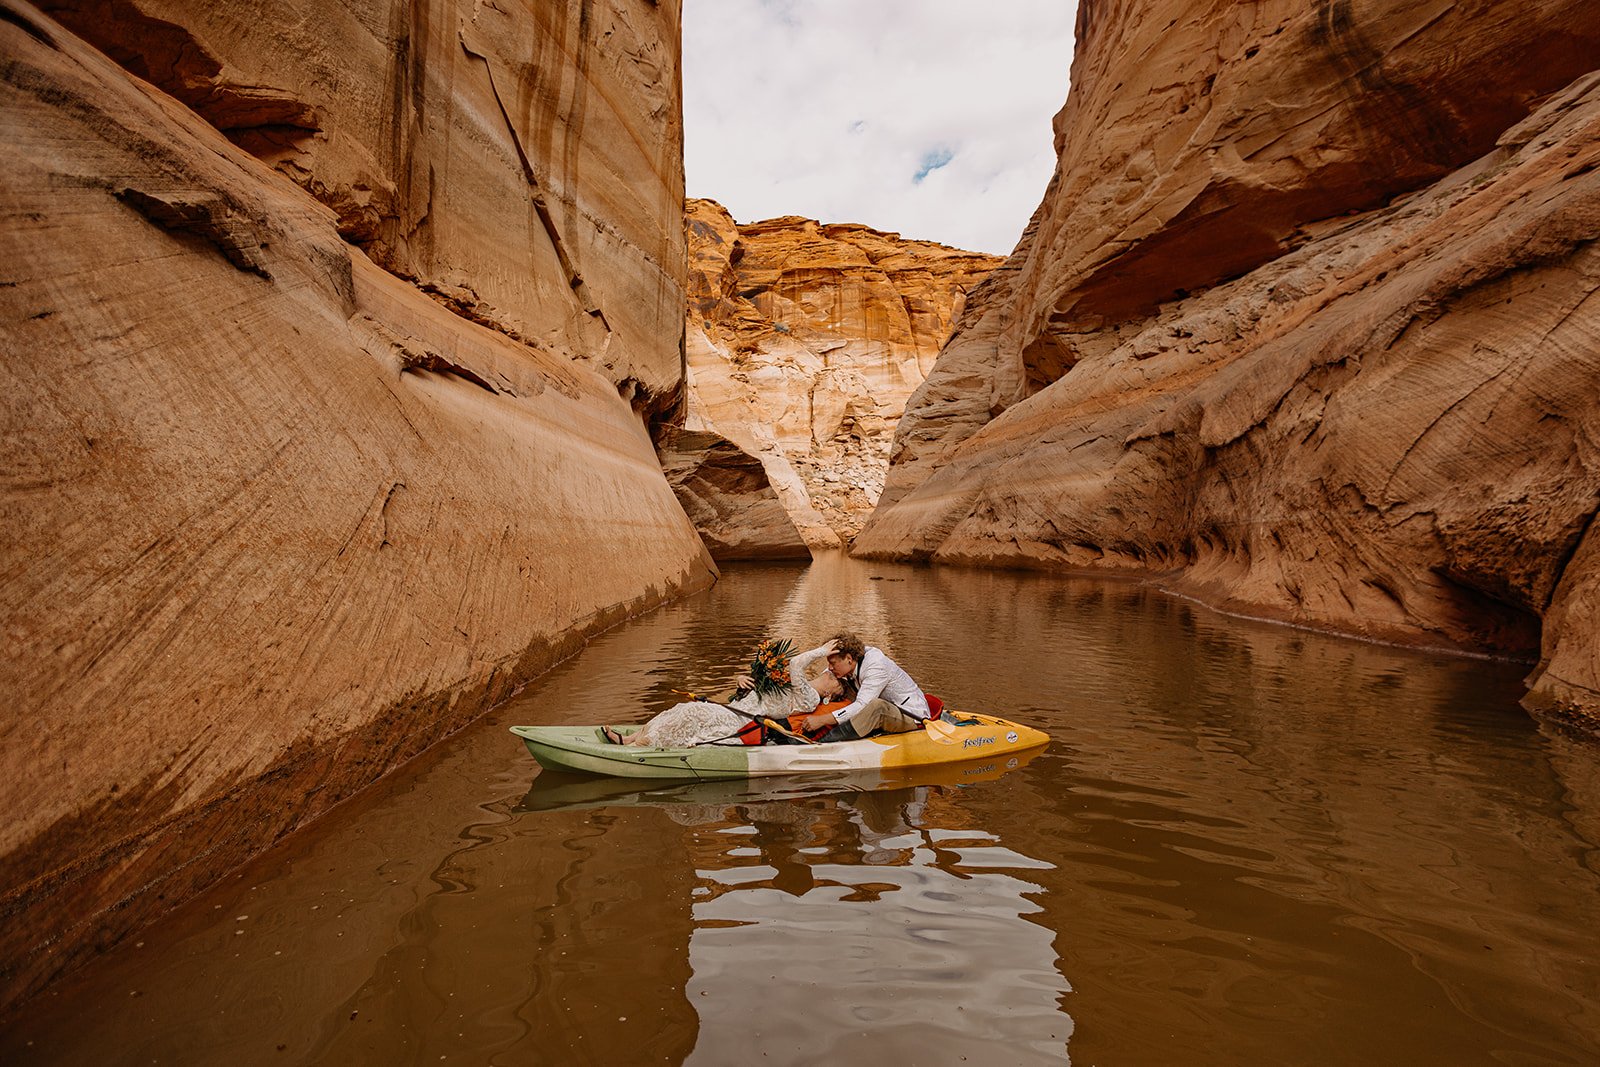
(932, 160)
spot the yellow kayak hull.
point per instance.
(958, 738)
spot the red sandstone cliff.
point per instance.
(280, 508)
(804, 341)
(1306, 324)
(514, 160)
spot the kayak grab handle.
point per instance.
(816, 763)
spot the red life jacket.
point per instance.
(753, 732)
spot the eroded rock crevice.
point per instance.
(168, 55)
(728, 496)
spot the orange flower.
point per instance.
(769, 666)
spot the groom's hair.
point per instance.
(850, 645)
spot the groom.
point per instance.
(886, 697)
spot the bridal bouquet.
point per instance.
(770, 669)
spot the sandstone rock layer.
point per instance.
(726, 494)
(804, 341)
(1306, 324)
(275, 519)
(514, 159)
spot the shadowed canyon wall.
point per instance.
(726, 493)
(315, 452)
(1306, 323)
(804, 342)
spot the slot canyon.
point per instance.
(367, 361)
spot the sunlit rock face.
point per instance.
(804, 341)
(275, 518)
(1305, 323)
(513, 159)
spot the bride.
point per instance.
(698, 721)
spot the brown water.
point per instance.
(1245, 845)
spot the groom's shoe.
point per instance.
(841, 732)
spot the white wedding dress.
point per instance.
(696, 722)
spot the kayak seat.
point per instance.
(935, 706)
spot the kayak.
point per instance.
(957, 738)
(564, 791)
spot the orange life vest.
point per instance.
(794, 720)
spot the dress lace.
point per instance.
(698, 721)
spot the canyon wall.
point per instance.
(804, 342)
(726, 493)
(1306, 325)
(318, 452)
(513, 160)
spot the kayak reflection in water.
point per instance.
(697, 722)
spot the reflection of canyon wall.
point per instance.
(414, 901)
(804, 341)
(276, 519)
(1305, 321)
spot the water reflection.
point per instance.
(883, 925)
(1245, 844)
(856, 915)
(556, 791)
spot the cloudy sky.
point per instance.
(930, 118)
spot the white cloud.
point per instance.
(926, 117)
